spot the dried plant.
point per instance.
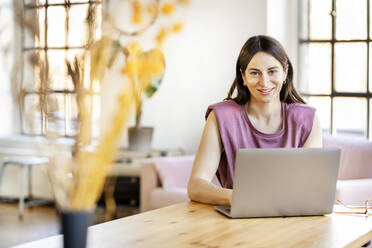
(77, 176)
(90, 168)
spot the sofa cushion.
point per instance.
(174, 172)
(161, 197)
(354, 192)
(356, 157)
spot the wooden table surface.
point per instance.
(197, 225)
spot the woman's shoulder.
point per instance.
(300, 112)
(226, 104)
(227, 107)
(298, 108)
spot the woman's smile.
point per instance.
(266, 91)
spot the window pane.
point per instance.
(320, 19)
(78, 32)
(350, 116)
(350, 67)
(370, 67)
(370, 20)
(370, 119)
(31, 116)
(323, 111)
(57, 69)
(303, 8)
(93, 104)
(35, 39)
(55, 1)
(71, 115)
(56, 26)
(33, 70)
(351, 19)
(70, 56)
(71, 1)
(98, 22)
(35, 2)
(59, 80)
(315, 68)
(56, 114)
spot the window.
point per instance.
(62, 32)
(334, 69)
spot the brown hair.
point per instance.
(253, 45)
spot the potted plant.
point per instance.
(145, 71)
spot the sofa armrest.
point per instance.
(356, 157)
(149, 181)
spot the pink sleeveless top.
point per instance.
(237, 132)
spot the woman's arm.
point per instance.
(315, 138)
(200, 187)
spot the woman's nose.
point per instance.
(264, 79)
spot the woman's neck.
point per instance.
(264, 111)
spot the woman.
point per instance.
(267, 112)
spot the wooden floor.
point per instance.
(38, 222)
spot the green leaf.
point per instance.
(150, 91)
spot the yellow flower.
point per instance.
(167, 8)
(137, 12)
(160, 37)
(177, 27)
(152, 65)
(132, 67)
(133, 49)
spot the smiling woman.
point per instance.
(267, 112)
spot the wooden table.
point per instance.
(198, 225)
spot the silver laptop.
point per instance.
(283, 182)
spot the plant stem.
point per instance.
(138, 113)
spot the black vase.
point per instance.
(74, 228)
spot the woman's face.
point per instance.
(264, 77)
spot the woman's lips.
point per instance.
(265, 92)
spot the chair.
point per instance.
(25, 163)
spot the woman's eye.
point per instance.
(272, 72)
(254, 73)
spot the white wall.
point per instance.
(200, 65)
(282, 23)
(200, 68)
(7, 58)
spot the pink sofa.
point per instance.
(164, 180)
(354, 184)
